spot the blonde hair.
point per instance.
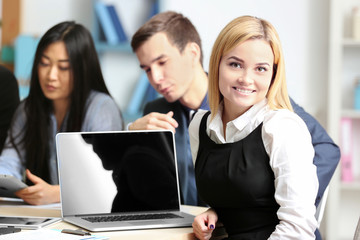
(236, 32)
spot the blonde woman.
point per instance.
(252, 151)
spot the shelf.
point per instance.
(102, 46)
(351, 186)
(348, 42)
(344, 52)
(121, 47)
(351, 113)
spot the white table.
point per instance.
(11, 208)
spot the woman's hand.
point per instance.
(204, 224)
(40, 193)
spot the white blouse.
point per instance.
(288, 144)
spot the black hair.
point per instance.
(86, 76)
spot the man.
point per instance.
(9, 100)
(168, 48)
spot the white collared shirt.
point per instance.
(287, 142)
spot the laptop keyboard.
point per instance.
(132, 217)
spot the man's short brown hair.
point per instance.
(179, 30)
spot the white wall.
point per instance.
(37, 16)
(302, 26)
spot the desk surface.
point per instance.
(13, 208)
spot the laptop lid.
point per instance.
(122, 172)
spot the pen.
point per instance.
(75, 232)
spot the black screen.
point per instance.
(141, 166)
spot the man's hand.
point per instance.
(155, 121)
(40, 193)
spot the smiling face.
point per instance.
(55, 73)
(169, 71)
(245, 75)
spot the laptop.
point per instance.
(119, 180)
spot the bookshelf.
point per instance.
(102, 45)
(351, 186)
(100, 40)
(349, 42)
(122, 50)
(343, 208)
(351, 113)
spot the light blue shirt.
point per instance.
(102, 114)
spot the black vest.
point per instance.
(236, 180)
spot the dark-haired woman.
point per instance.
(67, 93)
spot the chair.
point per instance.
(321, 207)
(357, 231)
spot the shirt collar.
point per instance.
(251, 115)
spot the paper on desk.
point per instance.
(46, 234)
(46, 206)
(6, 202)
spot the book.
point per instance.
(106, 23)
(117, 23)
(346, 150)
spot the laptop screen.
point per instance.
(108, 172)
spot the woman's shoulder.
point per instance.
(98, 96)
(19, 118)
(283, 119)
(198, 116)
(20, 110)
(99, 99)
(195, 122)
(103, 103)
(200, 113)
(102, 113)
